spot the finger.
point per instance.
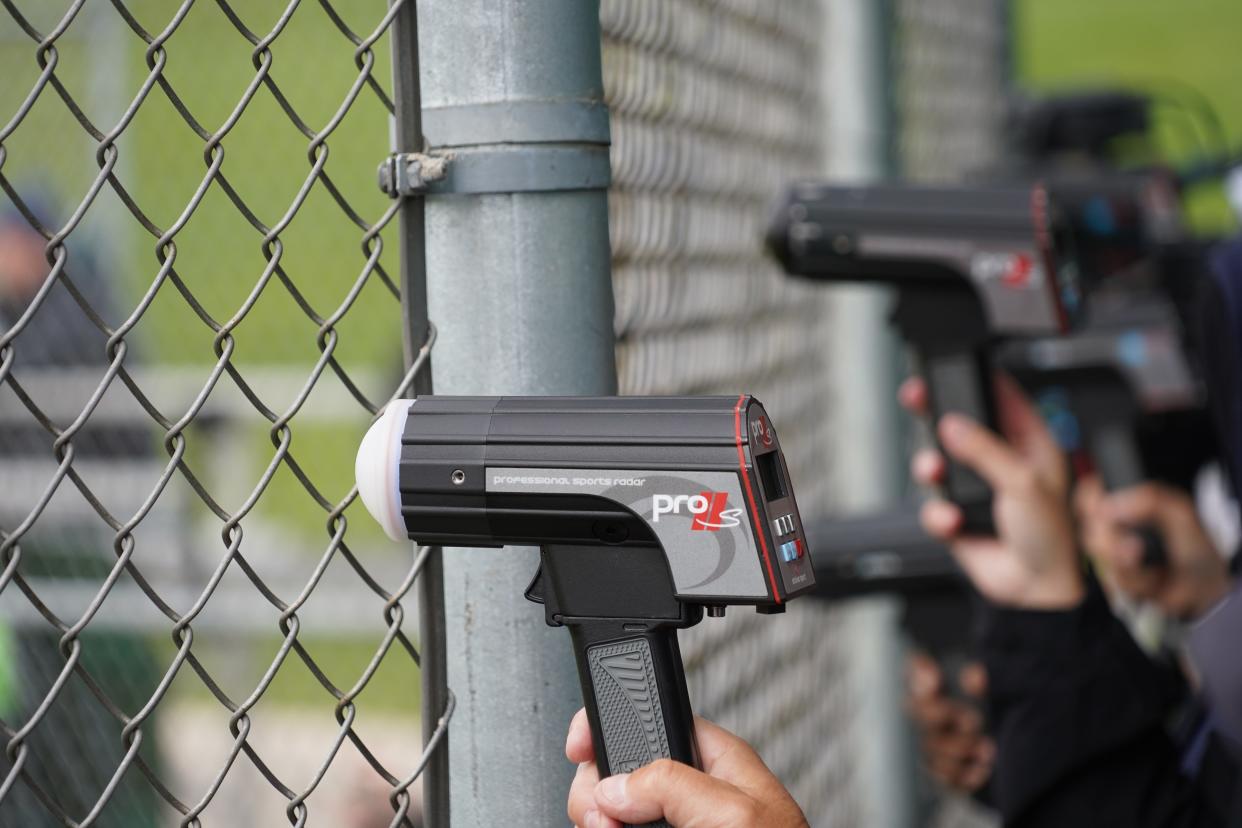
(948, 771)
(718, 746)
(927, 467)
(1129, 573)
(985, 753)
(973, 679)
(675, 792)
(993, 569)
(935, 715)
(1134, 504)
(578, 747)
(1026, 430)
(1099, 540)
(1089, 496)
(967, 722)
(977, 770)
(923, 675)
(952, 747)
(940, 518)
(582, 798)
(975, 776)
(984, 451)
(912, 394)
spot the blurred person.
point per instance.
(59, 334)
(1196, 587)
(1076, 708)
(956, 748)
(76, 747)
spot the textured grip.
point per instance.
(635, 693)
(620, 608)
(1120, 463)
(628, 700)
(961, 382)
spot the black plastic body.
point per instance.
(1112, 442)
(880, 552)
(888, 552)
(597, 483)
(945, 327)
(623, 622)
(1118, 220)
(451, 444)
(1077, 123)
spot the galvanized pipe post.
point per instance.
(868, 466)
(519, 284)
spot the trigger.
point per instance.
(534, 591)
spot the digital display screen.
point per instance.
(769, 466)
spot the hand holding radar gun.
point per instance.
(647, 511)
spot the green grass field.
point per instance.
(1150, 44)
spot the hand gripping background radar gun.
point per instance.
(973, 266)
(648, 511)
(1104, 390)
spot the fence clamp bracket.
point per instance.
(497, 170)
(411, 173)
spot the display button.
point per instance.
(790, 551)
(783, 525)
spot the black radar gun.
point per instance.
(973, 267)
(648, 511)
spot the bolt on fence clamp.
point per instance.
(410, 173)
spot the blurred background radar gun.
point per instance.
(973, 266)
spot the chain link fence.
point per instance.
(193, 272)
(715, 104)
(950, 72)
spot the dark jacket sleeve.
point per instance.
(1078, 712)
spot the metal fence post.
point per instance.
(407, 136)
(519, 281)
(868, 447)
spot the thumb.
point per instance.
(983, 450)
(1089, 496)
(1139, 504)
(676, 792)
(924, 676)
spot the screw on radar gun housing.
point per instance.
(973, 266)
(647, 510)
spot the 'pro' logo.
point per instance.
(706, 508)
(1017, 271)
